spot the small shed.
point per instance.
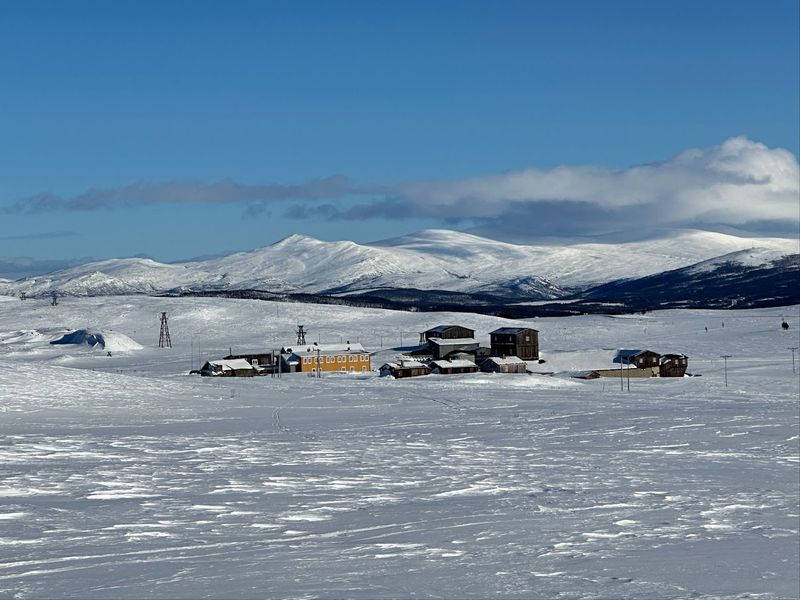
(642, 359)
(509, 364)
(237, 367)
(404, 368)
(673, 365)
(453, 367)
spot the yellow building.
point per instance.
(340, 358)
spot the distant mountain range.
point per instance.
(449, 264)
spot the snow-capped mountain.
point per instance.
(429, 260)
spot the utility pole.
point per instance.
(793, 349)
(621, 376)
(164, 340)
(628, 372)
(725, 358)
(319, 370)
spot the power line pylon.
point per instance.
(301, 336)
(164, 340)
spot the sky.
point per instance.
(184, 129)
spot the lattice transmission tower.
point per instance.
(164, 340)
(301, 336)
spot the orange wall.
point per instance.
(336, 362)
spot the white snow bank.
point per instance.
(98, 339)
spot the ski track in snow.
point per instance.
(124, 477)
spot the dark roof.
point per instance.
(443, 328)
(673, 356)
(629, 354)
(511, 330)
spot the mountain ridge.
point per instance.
(433, 259)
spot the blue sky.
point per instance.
(386, 95)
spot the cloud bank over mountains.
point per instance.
(739, 183)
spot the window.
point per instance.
(352, 369)
(527, 338)
(343, 369)
(363, 369)
(352, 358)
(340, 359)
(254, 362)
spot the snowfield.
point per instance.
(126, 477)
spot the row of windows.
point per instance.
(312, 360)
(344, 370)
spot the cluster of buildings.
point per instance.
(444, 349)
(453, 349)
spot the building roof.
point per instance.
(449, 364)
(234, 364)
(325, 349)
(453, 342)
(508, 360)
(405, 364)
(511, 330)
(443, 328)
(628, 354)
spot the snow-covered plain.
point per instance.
(126, 477)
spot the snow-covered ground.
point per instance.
(125, 477)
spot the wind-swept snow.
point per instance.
(126, 477)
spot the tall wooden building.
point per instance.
(521, 342)
(447, 332)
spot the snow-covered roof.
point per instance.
(355, 348)
(405, 364)
(449, 364)
(511, 330)
(453, 342)
(508, 360)
(233, 364)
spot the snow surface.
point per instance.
(126, 477)
(431, 260)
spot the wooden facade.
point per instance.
(447, 332)
(405, 368)
(522, 342)
(642, 359)
(228, 368)
(257, 359)
(330, 358)
(673, 365)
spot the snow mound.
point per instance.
(97, 339)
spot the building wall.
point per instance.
(351, 363)
(504, 344)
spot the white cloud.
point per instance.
(736, 182)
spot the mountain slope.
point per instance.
(747, 278)
(429, 260)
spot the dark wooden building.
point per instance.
(447, 332)
(257, 359)
(673, 365)
(521, 342)
(404, 368)
(642, 359)
(228, 368)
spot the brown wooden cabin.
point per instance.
(642, 359)
(508, 364)
(228, 368)
(405, 368)
(673, 365)
(257, 359)
(522, 342)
